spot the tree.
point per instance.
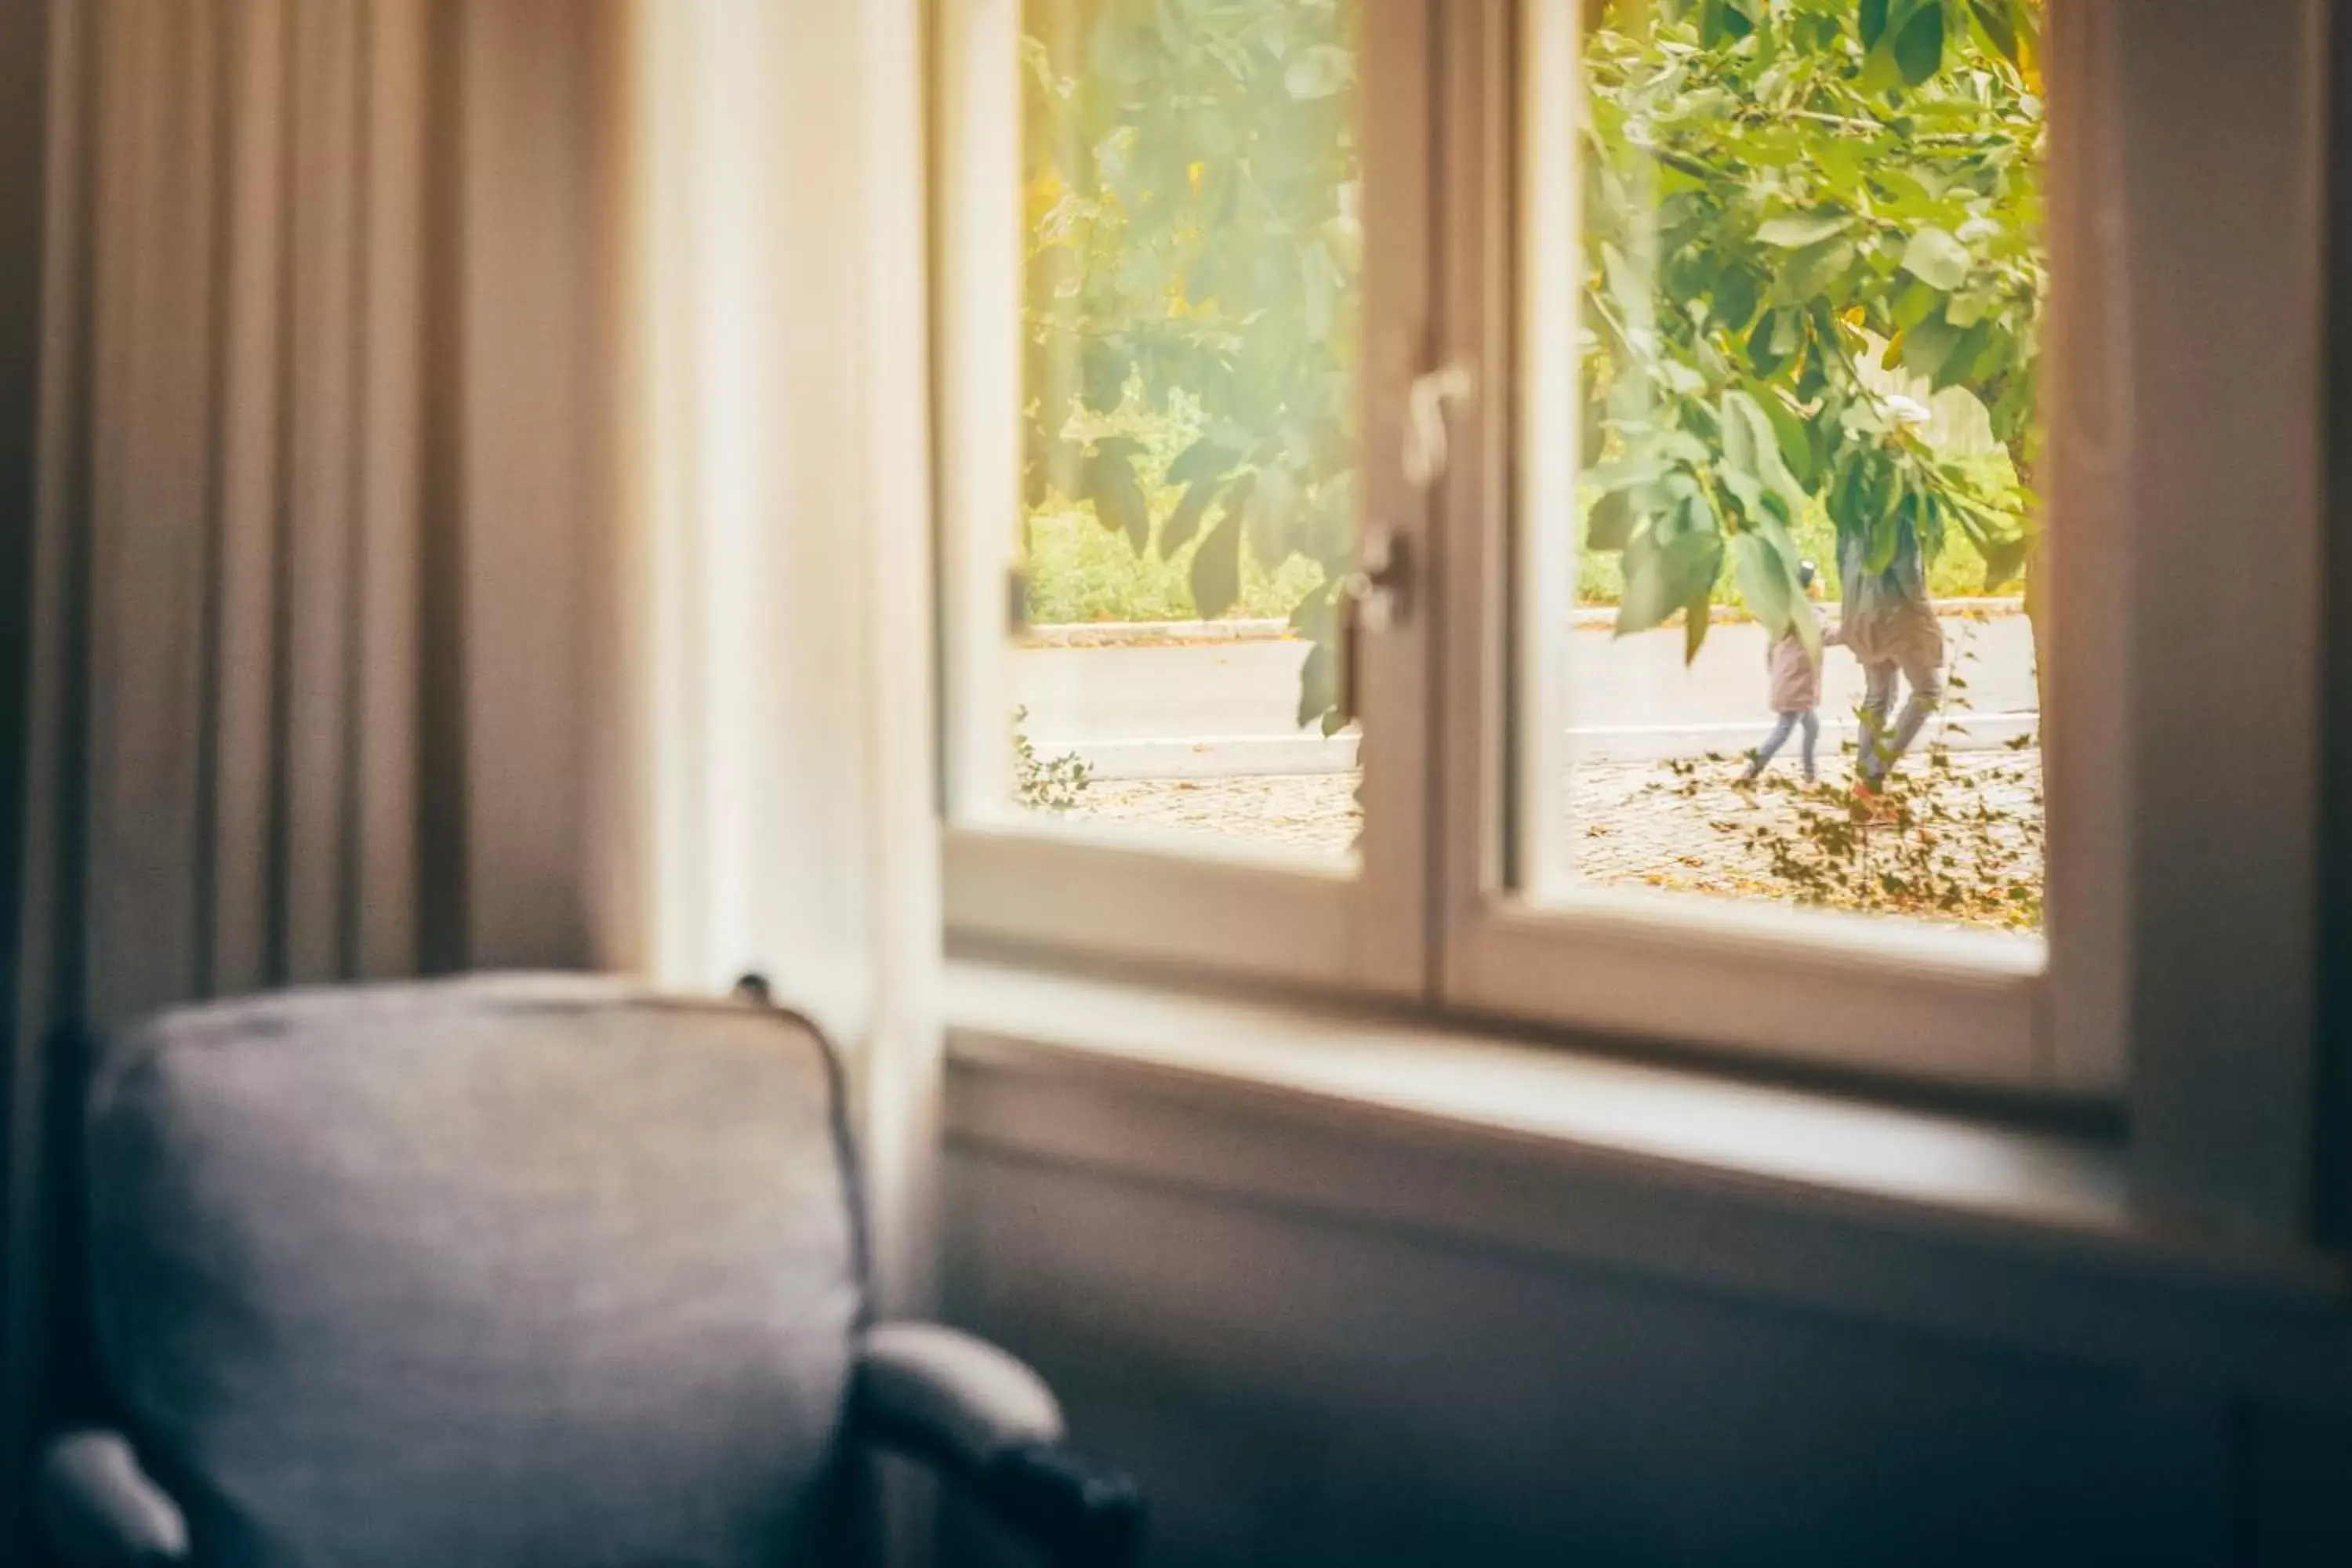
(1777, 190)
(1190, 317)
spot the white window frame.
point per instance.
(1885, 996)
(1907, 1000)
(2181, 774)
(1040, 885)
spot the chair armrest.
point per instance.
(988, 1423)
(102, 1511)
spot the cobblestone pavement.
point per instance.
(1638, 824)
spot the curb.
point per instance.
(1155, 634)
(1128, 634)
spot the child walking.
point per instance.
(1796, 677)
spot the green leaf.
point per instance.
(1751, 441)
(1812, 269)
(1962, 365)
(1117, 496)
(1626, 472)
(1660, 578)
(1185, 521)
(1745, 488)
(1872, 22)
(1763, 352)
(1914, 303)
(2004, 560)
(1937, 259)
(1217, 566)
(1999, 26)
(1629, 286)
(1799, 229)
(1928, 346)
(1768, 581)
(1334, 521)
(1273, 512)
(1739, 430)
(1970, 306)
(1696, 620)
(1737, 291)
(1919, 45)
(1611, 522)
(1793, 435)
(1723, 22)
(1203, 459)
(1318, 688)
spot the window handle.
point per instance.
(1372, 598)
(1424, 422)
(1378, 593)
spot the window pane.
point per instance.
(1190, 334)
(1782, 636)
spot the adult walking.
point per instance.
(1891, 627)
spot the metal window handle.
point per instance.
(1377, 593)
(1372, 598)
(1424, 422)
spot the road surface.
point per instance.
(1219, 710)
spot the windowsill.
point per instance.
(1413, 1085)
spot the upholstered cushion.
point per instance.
(506, 1274)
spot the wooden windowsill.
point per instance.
(1923, 1217)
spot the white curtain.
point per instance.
(778, 424)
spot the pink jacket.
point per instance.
(1796, 674)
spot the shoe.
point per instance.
(1870, 800)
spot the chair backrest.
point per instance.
(499, 1272)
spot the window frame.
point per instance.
(1867, 994)
(1430, 923)
(1120, 894)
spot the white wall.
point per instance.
(1296, 1385)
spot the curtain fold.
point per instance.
(319, 667)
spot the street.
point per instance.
(1225, 710)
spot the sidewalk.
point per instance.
(1634, 824)
(1217, 710)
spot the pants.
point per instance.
(1880, 747)
(1780, 728)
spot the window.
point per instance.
(1192, 338)
(1740, 239)
(1698, 353)
(1802, 412)
(1185, 701)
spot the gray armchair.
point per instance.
(512, 1273)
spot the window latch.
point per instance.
(1378, 593)
(1372, 598)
